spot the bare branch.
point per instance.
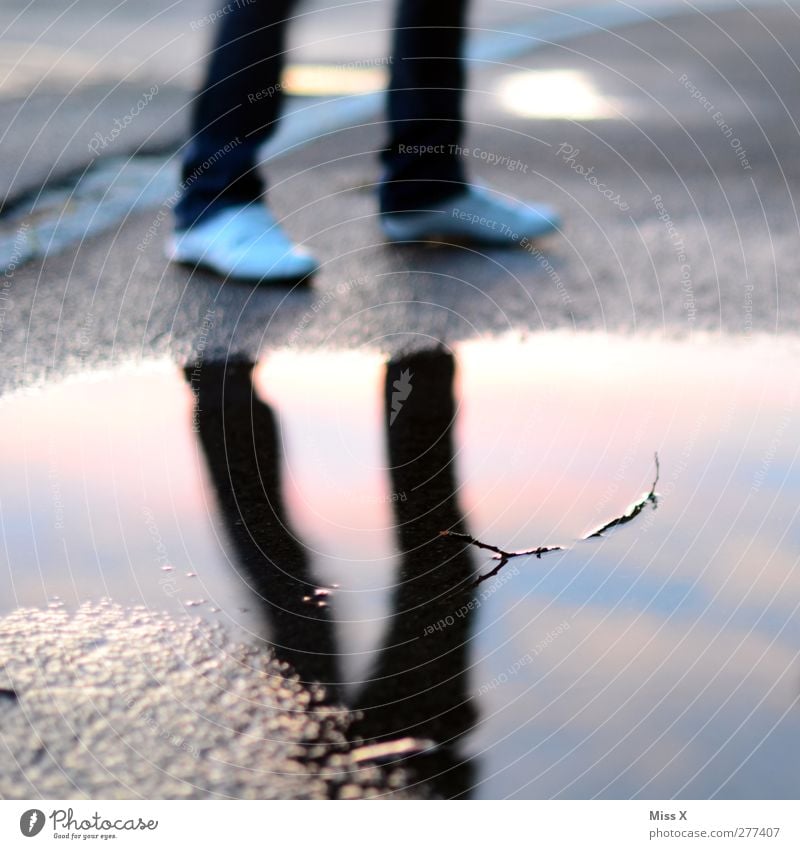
(633, 510)
(499, 554)
(504, 556)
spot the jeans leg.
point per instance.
(235, 109)
(425, 104)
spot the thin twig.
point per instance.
(504, 556)
(499, 553)
(633, 510)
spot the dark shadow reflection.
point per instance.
(418, 685)
(239, 436)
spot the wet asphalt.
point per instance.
(692, 239)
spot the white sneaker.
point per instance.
(242, 242)
(476, 216)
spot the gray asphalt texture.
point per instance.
(114, 299)
(116, 712)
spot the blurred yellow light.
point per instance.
(331, 80)
(554, 94)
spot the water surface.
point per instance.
(299, 500)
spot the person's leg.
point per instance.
(220, 222)
(235, 110)
(424, 193)
(421, 163)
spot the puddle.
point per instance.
(660, 660)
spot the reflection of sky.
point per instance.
(631, 702)
(85, 466)
(681, 656)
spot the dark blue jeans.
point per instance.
(237, 108)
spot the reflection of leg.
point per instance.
(240, 439)
(418, 686)
(235, 110)
(424, 101)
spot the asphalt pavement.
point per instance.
(668, 226)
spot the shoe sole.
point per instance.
(265, 280)
(465, 239)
